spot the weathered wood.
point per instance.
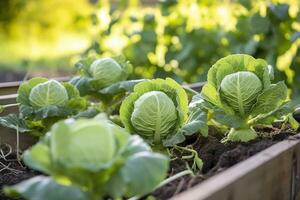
(10, 136)
(272, 174)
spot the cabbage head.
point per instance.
(48, 93)
(94, 159)
(98, 74)
(107, 71)
(241, 94)
(155, 110)
(40, 98)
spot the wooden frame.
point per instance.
(273, 174)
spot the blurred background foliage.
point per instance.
(176, 38)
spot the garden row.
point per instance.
(100, 135)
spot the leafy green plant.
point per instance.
(90, 160)
(104, 80)
(96, 74)
(158, 111)
(41, 103)
(240, 95)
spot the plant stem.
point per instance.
(2, 107)
(18, 147)
(10, 105)
(174, 177)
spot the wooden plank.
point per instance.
(295, 190)
(9, 136)
(267, 175)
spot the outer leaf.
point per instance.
(197, 122)
(151, 168)
(83, 66)
(127, 67)
(123, 86)
(92, 142)
(82, 84)
(25, 89)
(210, 94)
(45, 188)
(75, 101)
(38, 158)
(233, 121)
(284, 110)
(174, 139)
(52, 111)
(72, 91)
(14, 122)
(135, 145)
(270, 99)
(89, 113)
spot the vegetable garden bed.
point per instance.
(262, 169)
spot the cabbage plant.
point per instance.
(156, 110)
(104, 80)
(239, 94)
(90, 159)
(42, 102)
(97, 74)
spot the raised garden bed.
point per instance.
(262, 169)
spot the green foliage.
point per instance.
(43, 102)
(104, 80)
(100, 73)
(92, 159)
(241, 95)
(181, 39)
(156, 109)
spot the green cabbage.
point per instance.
(156, 110)
(48, 93)
(106, 71)
(240, 95)
(93, 159)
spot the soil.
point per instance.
(12, 172)
(216, 156)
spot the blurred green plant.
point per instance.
(182, 38)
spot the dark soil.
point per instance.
(12, 172)
(216, 156)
